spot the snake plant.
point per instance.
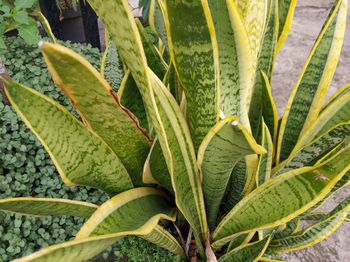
(192, 136)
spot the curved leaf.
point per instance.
(282, 198)
(285, 13)
(99, 107)
(240, 240)
(172, 82)
(131, 98)
(312, 152)
(156, 19)
(339, 93)
(183, 167)
(47, 206)
(305, 102)
(75, 250)
(156, 169)
(195, 62)
(136, 211)
(336, 113)
(154, 59)
(167, 119)
(247, 253)
(164, 239)
(263, 172)
(235, 60)
(253, 13)
(80, 156)
(262, 103)
(226, 143)
(315, 233)
(46, 25)
(292, 227)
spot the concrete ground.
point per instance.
(308, 19)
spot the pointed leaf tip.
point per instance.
(41, 44)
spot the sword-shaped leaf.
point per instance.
(184, 177)
(195, 59)
(285, 14)
(240, 240)
(156, 20)
(46, 25)
(311, 153)
(99, 107)
(80, 156)
(320, 216)
(167, 119)
(336, 113)
(268, 109)
(292, 227)
(237, 186)
(156, 169)
(155, 60)
(131, 98)
(83, 249)
(343, 182)
(253, 13)
(111, 65)
(263, 172)
(164, 239)
(247, 253)
(133, 212)
(315, 233)
(172, 82)
(235, 60)
(75, 250)
(282, 198)
(262, 103)
(137, 209)
(226, 143)
(338, 94)
(305, 102)
(47, 207)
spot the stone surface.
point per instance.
(308, 19)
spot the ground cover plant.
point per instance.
(194, 139)
(20, 15)
(27, 170)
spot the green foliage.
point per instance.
(27, 170)
(25, 167)
(144, 5)
(19, 15)
(136, 249)
(211, 139)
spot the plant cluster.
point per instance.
(25, 167)
(194, 144)
(19, 15)
(27, 170)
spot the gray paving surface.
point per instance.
(308, 19)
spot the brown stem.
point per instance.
(181, 238)
(188, 242)
(4, 74)
(209, 251)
